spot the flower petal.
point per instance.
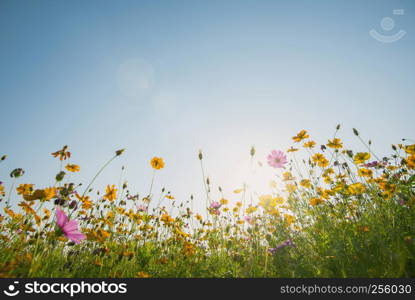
(70, 226)
(61, 218)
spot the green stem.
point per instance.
(10, 192)
(96, 175)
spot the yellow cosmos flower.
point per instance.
(27, 207)
(223, 201)
(325, 194)
(309, 144)
(72, 168)
(289, 219)
(335, 143)
(320, 160)
(24, 189)
(63, 153)
(166, 219)
(102, 233)
(291, 188)
(287, 176)
(328, 172)
(157, 163)
(10, 212)
(356, 188)
(315, 201)
(363, 172)
(305, 183)
(36, 195)
(328, 179)
(301, 136)
(38, 220)
(268, 202)
(386, 186)
(292, 149)
(50, 192)
(110, 193)
(361, 157)
(410, 149)
(410, 161)
(274, 212)
(47, 213)
(142, 275)
(251, 209)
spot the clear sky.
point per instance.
(167, 78)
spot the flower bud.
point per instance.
(17, 173)
(60, 201)
(119, 152)
(60, 176)
(252, 151)
(73, 205)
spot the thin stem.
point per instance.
(96, 175)
(204, 183)
(368, 148)
(152, 182)
(10, 192)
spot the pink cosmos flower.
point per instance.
(69, 228)
(277, 159)
(142, 208)
(249, 219)
(215, 205)
(214, 208)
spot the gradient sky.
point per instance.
(168, 78)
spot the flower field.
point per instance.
(333, 212)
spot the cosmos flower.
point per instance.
(62, 154)
(302, 135)
(110, 193)
(72, 168)
(24, 189)
(335, 143)
(309, 144)
(214, 208)
(320, 160)
(277, 159)
(361, 157)
(142, 208)
(281, 245)
(249, 219)
(157, 163)
(410, 161)
(69, 228)
(372, 164)
(215, 205)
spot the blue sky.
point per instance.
(168, 78)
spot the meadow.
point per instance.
(333, 212)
